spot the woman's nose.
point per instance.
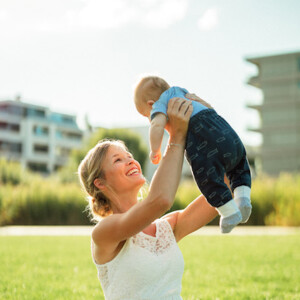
(130, 161)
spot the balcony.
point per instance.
(258, 130)
(9, 135)
(255, 106)
(254, 81)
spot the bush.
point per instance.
(275, 201)
(10, 172)
(27, 199)
(286, 208)
(43, 202)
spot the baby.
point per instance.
(212, 149)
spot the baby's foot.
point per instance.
(228, 223)
(245, 207)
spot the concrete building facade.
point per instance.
(279, 80)
(38, 138)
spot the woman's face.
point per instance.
(122, 171)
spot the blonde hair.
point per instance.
(148, 88)
(91, 168)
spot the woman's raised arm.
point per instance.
(119, 227)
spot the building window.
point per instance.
(31, 112)
(9, 127)
(10, 147)
(40, 130)
(74, 136)
(62, 119)
(15, 127)
(3, 125)
(38, 148)
(68, 135)
(16, 110)
(37, 167)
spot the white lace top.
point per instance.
(147, 267)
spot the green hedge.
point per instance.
(27, 199)
(11, 172)
(42, 202)
(275, 201)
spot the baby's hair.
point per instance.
(155, 87)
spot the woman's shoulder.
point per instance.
(105, 249)
(96, 232)
(101, 230)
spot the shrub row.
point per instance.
(275, 201)
(11, 172)
(40, 201)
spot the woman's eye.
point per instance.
(118, 159)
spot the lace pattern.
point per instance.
(145, 258)
(103, 276)
(158, 244)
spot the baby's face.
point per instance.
(144, 106)
(146, 110)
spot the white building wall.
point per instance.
(38, 148)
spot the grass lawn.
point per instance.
(216, 267)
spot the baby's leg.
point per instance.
(240, 180)
(205, 158)
(213, 187)
(243, 201)
(230, 216)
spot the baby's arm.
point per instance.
(157, 127)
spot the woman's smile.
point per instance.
(133, 171)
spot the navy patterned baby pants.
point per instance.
(214, 149)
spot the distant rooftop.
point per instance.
(23, 109)
(255, 59)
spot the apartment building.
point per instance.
(38, 138)
(279, 80)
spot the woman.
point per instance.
(135, 251)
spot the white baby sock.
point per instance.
(243, 201)
(230, 216)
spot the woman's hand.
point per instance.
(198, 99)
(179, 113)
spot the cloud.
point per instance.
(103, 14)
(209, 20)
(162, 14)
(96, 14)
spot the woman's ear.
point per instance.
(99, 184)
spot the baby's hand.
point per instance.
(155, 157)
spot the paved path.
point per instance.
(86, 230)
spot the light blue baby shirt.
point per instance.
(161, 105)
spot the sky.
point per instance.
(83, 57)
